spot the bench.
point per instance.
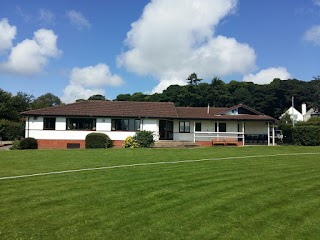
(225, 142)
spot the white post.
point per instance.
(243, 133)
(218, 131)
(194, 131)
(268, 134)
(273, 135)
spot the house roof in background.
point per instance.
(95, 108)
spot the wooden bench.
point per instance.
(225, 142)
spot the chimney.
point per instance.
(304, 109)
(208, 110)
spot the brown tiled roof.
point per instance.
(96, 108)
(219, 113)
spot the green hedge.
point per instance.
(287, 133)
(28, 143)
(10, 130)
(98, 140)
(306, 135)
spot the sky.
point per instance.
(76, 49)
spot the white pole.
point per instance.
(273, 135)
(268, 134)
(243, 133)
(194, 131)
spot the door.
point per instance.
(166, 129)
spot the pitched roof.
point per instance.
(220, 113)
(95, 108)
(119, 109)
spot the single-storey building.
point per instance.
(66, 126)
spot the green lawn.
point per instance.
(274, 197)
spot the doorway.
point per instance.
(166, 130)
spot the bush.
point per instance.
(98, 140)
(28, 143)
(306, 135)
(287, 133)
(130, 142)
(15, 145)
(144, 139)
(10, 130)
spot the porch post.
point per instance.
(268, 134)
(273, 136)
(243, 133)
(218, 131)
(194, 131)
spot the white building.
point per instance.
(66, 126)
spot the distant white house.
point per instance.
(297, 116)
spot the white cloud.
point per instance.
(77, 19)
(266, 76)
(74, 91)
(172, 39)
(7, 34)
(31, 55)
(316, 2)
(87, 81)
(46, 17)
(95, 76)
(313, 35)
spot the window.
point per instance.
(184, 127)
(81, 124)
(49, 123)
(125, 124)
(222, 127)
(198, 127)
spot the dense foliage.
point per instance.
(11, 106)
(307, 133)
(28, 143)
(272, 99)
(144, 139)
(10, 130)
(98, 140)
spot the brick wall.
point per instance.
(62, 144)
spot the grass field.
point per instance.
(275, 196)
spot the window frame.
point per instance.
(222, 125)
(199, 125)
(125, 124)
(49, 123)
(73, 124)
(183, 128)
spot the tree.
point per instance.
(193, 79)
(97, 97)
(46, 100)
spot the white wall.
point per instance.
(35, 129)
(256, 128)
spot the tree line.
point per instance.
(272, 99)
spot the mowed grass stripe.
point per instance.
(152, 163)
(248, 199)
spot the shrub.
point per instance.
(306, 135)
(28, 143)
(287, 133)
(15, 145)
(130, 142)
(98, 140)
(10, 130)
(144, 139)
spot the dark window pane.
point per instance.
(198, 127)
(49, 123)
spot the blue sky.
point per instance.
(75, 49)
